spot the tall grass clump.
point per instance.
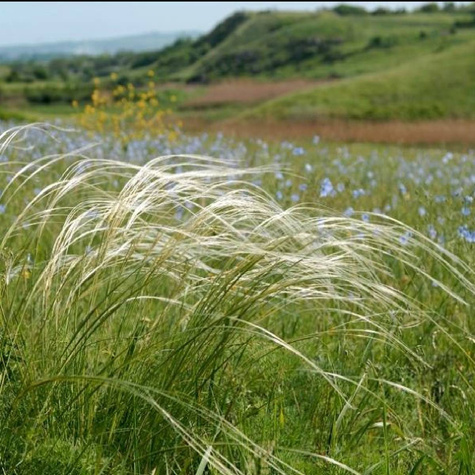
(173, 318)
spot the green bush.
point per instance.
(345, 10)
(430, 8)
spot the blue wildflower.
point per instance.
(404, 239)
(349, 212)
(447, 157)
(466, 234)
(359, 192)
(326, 188)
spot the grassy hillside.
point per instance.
(384, 64)
(434, 86)
(317, 44)
(325, 44)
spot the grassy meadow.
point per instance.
(279, 308)
(248, 253)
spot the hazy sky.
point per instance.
(31, 22)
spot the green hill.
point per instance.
(324, 44)
(385, 64)
(271, 44)
(441, 84)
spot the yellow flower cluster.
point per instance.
(128, 112)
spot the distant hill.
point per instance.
(315, 45)
(384, 64)
(433, 86)
(276, 45)
(143, 42)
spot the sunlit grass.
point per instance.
(175, 317)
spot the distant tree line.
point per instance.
(432, 7)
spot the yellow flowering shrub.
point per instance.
(128, 112)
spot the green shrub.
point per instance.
(345, 10)
(430, 8)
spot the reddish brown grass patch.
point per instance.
(245, 91)
(410, 133)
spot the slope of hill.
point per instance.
(273, 45)
(313, 45)
(436, 85)
(386, 65)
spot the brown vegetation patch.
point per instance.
(408, 133)
(246, 91)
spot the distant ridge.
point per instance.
(134, 43)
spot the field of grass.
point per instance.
(244, 92)
(433, 87)
(402, 78)
(283, 307)
(227, 107)
(459, 134)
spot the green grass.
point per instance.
(14, 115)
(435, 86)
(167, 316)
(323, 44)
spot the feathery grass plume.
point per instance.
(134, 318)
